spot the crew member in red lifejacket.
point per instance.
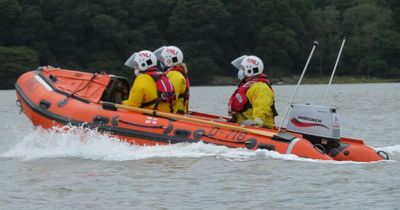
(151, 89)
(171, 60)
(253, 102)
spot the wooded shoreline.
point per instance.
(96, 36)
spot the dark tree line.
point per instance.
(93, 35)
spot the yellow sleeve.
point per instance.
(136, 94)
(179, 83)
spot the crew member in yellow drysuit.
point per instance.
(171, 60)
(144, 92)
(253, 103)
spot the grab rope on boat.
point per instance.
(383, 154)
(19, 105)
(320, 148)
(77, 90)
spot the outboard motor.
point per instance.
(318, 124)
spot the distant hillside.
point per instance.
(99, 36)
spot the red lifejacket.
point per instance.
(239, 101)
(181, 69)
(165, 89)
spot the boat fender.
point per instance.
(284, 137)
(197, 134)
(269, 147)
(383, 154)
(168, 129)
(100, 120)
(44, 104)
(62, 103)
(182, 133)
(250, 143)
(114, 121)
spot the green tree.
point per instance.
(327, 30)
(92, 35)
(241, 30)
(371, 41)
(279, 40)
(198, 27)
(13, 62)
(9, 11)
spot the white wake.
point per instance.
(78, 142)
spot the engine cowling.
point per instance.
(314, 120)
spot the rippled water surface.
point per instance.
(82, 169)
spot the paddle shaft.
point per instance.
(201, 114)
(193, 120)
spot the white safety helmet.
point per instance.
(142, 60)
(169, 55)
(250, 65)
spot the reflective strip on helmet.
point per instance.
(291, 145)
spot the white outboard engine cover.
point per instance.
(321, 121)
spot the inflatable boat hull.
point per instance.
(56, 97)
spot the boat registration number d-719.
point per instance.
(227, 134)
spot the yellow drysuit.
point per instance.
(179, 82)
(144, 90)
(261, 97)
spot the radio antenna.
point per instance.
(315, 44)
(333, 72)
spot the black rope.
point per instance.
(87, 84)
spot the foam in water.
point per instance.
(78, 142)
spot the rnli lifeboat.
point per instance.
(51, 97)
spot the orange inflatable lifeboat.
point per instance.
(57, 97)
